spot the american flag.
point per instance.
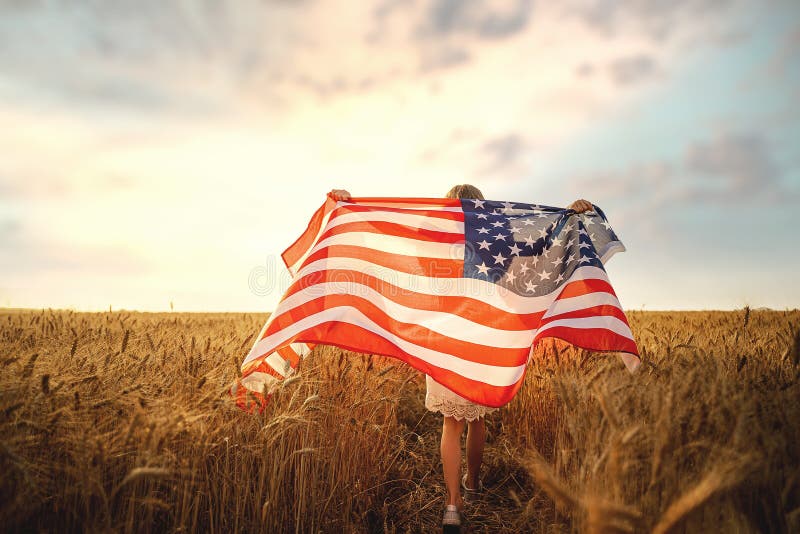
(460, 289)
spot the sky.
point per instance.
(157, 154)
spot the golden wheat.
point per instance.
(121, 421)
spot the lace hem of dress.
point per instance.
(457, 410)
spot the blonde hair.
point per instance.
(465, 191)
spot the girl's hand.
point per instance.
(580, 206)
(339, 194)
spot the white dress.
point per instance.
(438, 398)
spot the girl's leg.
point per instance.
(451, 458)
(476, 437)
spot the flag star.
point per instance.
(528, 222)
(584, 245)
(483, 216)
(478, 203)
(514, 249)
(542, 215)
(592, 237)
(572, 257)
(483, 269)
(535, 260)
(560, 278)
(483, 245)
(544, 275)
(583, 231)
(607, 226)
(543, 232)
(483, 230)
(499, 258)
(587, 220)
(498, 224)
(557, 242)
(570, 242)
(511, 276)
(524, 268)
(585, 259)
(530, 286)
(508, 206)
(529, 241)
(500, 236)
(556, 262)
(515, 229)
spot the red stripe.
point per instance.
(467, 307)
(413, 333)
(395, 230)
(430, 267)
(248, 400)
(289, 354)
(432, 213)
(296, 250)
(407, 201)
(596, 339)
(343, 335)
(592, 311)
(261, 366)
(576, 288)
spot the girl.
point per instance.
(459, 412)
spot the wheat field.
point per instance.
(121, 422)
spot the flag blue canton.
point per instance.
(531, 249)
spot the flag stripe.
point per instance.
(598, 339)
(395, 245)
(603, 310)
(382, 262)
(587, 300)
(438, 331)
(610, 323)
(438, 296)
(425, 277)
(397, 230)
(351, 212)
(327, 324)
(294, 255)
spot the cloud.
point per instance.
(503, 151)
(488, 20)
(736, 169)
(437, 58)
(657, 20)
(26, 253)
(737, 165)
(632, 69)
(141, 56)
(585, 70)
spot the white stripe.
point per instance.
(256, 381)
(409, 219)
(492, 294)
(611, 248)
(606, 321)
(406, 205)
(395, 245)
(489, 374)
(447, 324)
(301, 349)
(280, 365)
(581, 302)
(296, 265)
